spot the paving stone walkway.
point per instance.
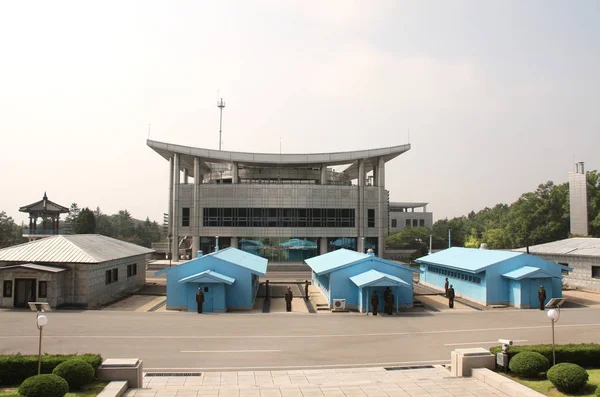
(353, 382)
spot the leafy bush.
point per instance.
(568, 377)
(585, 355)
(597, 394)
(76, 372)
(15, 368)
(45, 385)
(528, 364)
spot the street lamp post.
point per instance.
(41, 321)
(554, 314)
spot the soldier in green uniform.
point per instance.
(374, 302)
(288, 299)
(200, 299)
(386, 300)
(542, 296)
(451, 297)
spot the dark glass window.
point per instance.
(7, 289)
(279, 217)
(108, 277)
(596, 271)
(42, 289)
(407, 224)
(371, 218)
(421, 222)
(185, 216)
(135, 269)
(115, 275)
(394, 223)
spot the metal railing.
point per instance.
(26, 231)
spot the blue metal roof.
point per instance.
(330, 261)
(208, 276)
(527, 272)
(256, 264)
(379, 279)
(468, 259)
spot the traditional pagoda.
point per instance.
(49, 212)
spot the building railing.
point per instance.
(26, 231)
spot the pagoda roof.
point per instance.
(44, 205)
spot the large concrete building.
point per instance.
(269, 203)
(404, 215)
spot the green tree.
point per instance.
(104, 224)
(10, 232)
(86, 222)
(70, 222)
(409, 237)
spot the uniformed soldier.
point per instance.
(267, 290)
(386, 300)
(200, 299)
(288, 299)
(391, 304)
(451, 297)
(306, 289)
(374, 302)
(542, 296)
(446, 288)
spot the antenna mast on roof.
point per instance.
(220, 105)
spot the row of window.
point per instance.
(454, 274)
(279, 217)
(112, 275)
(410, 222)
(7, 288)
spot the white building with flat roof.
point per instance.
(404, 214)
(285, 207)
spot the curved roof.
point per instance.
(44, 205)
(188, 153)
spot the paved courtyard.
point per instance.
(431, 381)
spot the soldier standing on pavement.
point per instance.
(446, 288)
(288, 299)
(306, 289)
(451, 297)
(374, 302)
(199, 299)
(386, 300)
(542, 296)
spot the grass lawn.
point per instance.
(91, 390)
(545, 387)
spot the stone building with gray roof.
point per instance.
(85, 270)
(582, 254)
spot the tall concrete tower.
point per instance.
(578, 201)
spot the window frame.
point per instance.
(43, 283)
(7, 292)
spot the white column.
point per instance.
(380, 221)
(170, 210)
(185, 176)
(234, 242)
(322, 245)
(323, 174)
(360, 246)
(176, 213)
(196, 217)
(235, 173)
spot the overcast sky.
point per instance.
(498, 96)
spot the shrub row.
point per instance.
(14, 369)
(585, 355)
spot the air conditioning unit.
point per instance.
(339, 304)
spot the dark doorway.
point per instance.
(24, 291)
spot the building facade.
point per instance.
(284, 207)
(493, 277)
(404, 215)
(85, 271)
(580, 254)
(578, 201)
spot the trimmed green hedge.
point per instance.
(76, 372)
(585, 355)
(568, 377)
(529, 364)
(45, 385)
(14, 369)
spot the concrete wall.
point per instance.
(341, 287)
(239, 296)
(417, 216)
(581, 276)
(322, 282)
